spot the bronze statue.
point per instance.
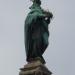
(36, 32)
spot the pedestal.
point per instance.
(35, 68)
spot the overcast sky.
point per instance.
(60, 54)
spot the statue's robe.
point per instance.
(36, 33)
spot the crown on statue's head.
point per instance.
(36, 1)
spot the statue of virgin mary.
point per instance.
(36, 32)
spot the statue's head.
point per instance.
(36, 1)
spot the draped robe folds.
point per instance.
(36, 34)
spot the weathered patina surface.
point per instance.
(36, 32)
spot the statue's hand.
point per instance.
(48, 14)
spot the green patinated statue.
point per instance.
(36, 32)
